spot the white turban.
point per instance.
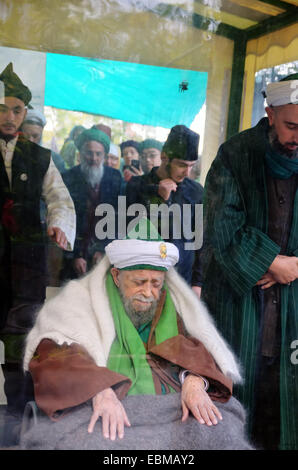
(131, 252)
(115, 150)
(36, 116)
(281, 93)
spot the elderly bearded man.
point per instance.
(115, 337)
(251, 265)
(91, 183)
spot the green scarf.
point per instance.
(279, 166)
(128, 354)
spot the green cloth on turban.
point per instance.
(13, 85)
(293, 76)
(143, 266)
(93, 134)
(151, 143)
(127, 355)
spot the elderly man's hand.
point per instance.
(57, 235)
(195, 399)
(114, 417)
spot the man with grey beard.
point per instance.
(146, 305)
(90, 183)
(250, 261)
(133, 346)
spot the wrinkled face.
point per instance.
(151, 158)
(129, 154)
(180, 169)
(92, 153)
(112, 161)
(12, 114)
(33, 132)
(141, 287)
(284, 120)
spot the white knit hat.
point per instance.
(282, 92)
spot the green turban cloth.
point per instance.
(13, 85)
(151, 143)
(93, 134)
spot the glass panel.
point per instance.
(262, 78)
(110, 111)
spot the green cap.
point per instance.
(151, 143)
(93, 134)
(13, 85)
(145, 230)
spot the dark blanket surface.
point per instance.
(155, 425)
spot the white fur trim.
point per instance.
(81, 314)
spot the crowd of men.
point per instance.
(246, 273)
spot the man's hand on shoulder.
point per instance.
(165, 188)
(112, 412)
(197, 290)
(80, 266)
(57, 235)
(195, 399)
(97, 257)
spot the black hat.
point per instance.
(131, 143)
(14, 86)
(182, 143)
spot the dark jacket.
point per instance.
(109, 190)
(237, 252)
(144, 190)
(22, 243)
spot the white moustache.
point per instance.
(144, 299)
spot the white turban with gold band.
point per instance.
(281, 93)
(142, 254)
(143, 248)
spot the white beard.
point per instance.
(92, 174)
(138, 318)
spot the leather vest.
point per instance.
(22, 244)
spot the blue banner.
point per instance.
(144, 94)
